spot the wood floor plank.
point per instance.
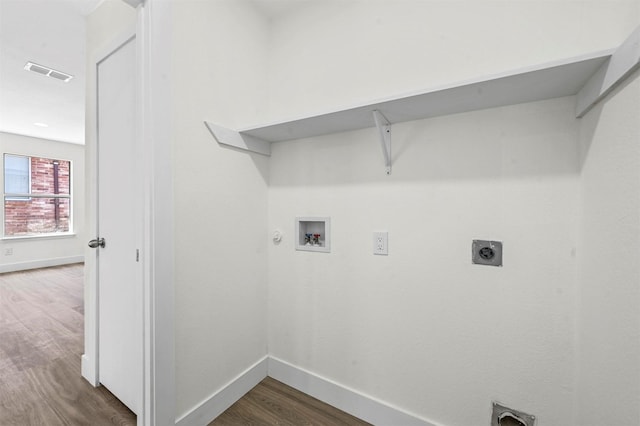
(22, 347)
(11, 305)
(41, 342)
(274, 403)
(15, 410)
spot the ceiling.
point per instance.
(52, 33)
(49, 33)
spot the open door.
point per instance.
(118, 273)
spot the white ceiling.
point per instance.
(49, 33)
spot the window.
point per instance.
(17, 176)
(37, 196)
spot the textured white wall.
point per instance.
(334, 53)
(28, 252)
(423, 328)
(218, 58)
(609, 253)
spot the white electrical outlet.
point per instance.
(381, 243)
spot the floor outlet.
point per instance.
(381, 243)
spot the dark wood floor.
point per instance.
(274, 403)
(41, 341)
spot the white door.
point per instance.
(119, 279)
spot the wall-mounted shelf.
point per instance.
(589, 76)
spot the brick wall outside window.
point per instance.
(38, 215)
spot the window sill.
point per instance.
(40, 237)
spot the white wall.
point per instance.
(47, 251)
(218, 57)
(336, 53)
(609, 253)
(423, 329)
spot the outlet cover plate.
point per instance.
(484, 252)
(381, 243)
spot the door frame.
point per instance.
(154, 25)
(153, 148)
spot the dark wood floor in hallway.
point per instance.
(41, 341)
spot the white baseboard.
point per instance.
(42, 263)
(348, 400)
(353, 402)
(217, 403)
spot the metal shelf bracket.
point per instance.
(384, 129)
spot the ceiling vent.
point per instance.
(41, 69)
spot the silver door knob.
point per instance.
(97, 243)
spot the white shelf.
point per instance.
(552, 80)
(548, 81)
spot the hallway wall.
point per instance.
(220, 197)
